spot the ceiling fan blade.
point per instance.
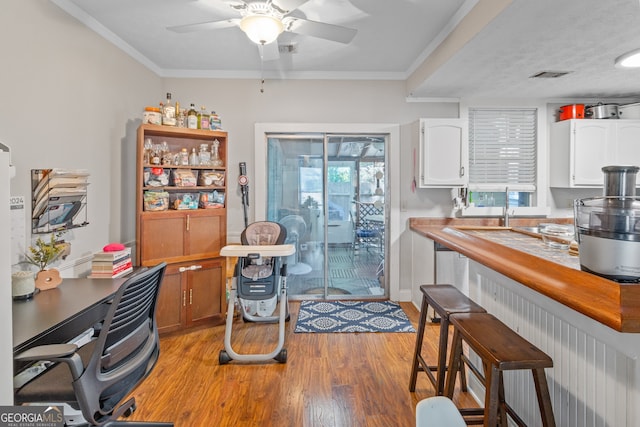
(209, 25)
(269, 52)
(322, 30)
(287, 6)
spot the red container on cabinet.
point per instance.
(573, 111)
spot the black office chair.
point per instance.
(97, 376)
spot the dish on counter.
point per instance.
(557, 236)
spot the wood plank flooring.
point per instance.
(329, 380)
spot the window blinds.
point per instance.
(502, 149)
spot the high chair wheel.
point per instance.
(130, 410)
(223, 358)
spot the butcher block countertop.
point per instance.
(555, 273)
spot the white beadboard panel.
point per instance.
(594, 380)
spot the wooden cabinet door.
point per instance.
(171, 305)
(206, 235)
(161, 237)
(206, 292)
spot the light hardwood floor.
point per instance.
(332, 380)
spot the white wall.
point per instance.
(69, 100)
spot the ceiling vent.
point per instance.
(549, 74)
(288, 48)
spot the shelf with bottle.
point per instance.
(164, 146)
(181, 169)
(170, 114)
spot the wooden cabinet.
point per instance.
(177, 236)
(192, 293)
(580, 148)
(189, 240)
(444, 148)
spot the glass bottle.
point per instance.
(215, 157)
(181, 118)
(203, 118)
(192, 117)
(165, 154)
(184, 157)
(148, 147)
(194, 160)
(168, 112)
(156, 156)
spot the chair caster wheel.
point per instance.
(282, 356)
(223, 358)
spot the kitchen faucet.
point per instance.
(505, 220)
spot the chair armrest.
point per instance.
(65, 353)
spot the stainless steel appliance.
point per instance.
(608, 227)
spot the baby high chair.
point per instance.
(258, 285)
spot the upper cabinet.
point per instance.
(444, 152)
(580, 148)
(181, 190)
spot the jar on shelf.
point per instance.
(184, 157)
(204, 155)
(203, 118)
(214, 121)
(151, 116)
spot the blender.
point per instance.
(608, 227)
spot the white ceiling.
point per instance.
(441, 48)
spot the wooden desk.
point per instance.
(60, 314)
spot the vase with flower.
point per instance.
(42, 254)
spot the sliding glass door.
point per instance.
(328, 192)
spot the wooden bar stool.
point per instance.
(445, 300)
(501, 349)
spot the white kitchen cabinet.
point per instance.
(444, 152)
(627, 148)
(580, 148)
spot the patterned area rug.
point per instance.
(352, 316)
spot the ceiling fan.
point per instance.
(264, 20)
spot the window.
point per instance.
(503, 155)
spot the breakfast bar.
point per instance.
(589, 325)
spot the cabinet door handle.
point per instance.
(190, 268)
(184, 298)
(188, 222)
(190, 296)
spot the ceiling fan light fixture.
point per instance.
(628, 60)
(261, 29)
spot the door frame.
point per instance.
(392, 199)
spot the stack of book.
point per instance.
(111, 264)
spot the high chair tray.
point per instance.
(263, 250)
